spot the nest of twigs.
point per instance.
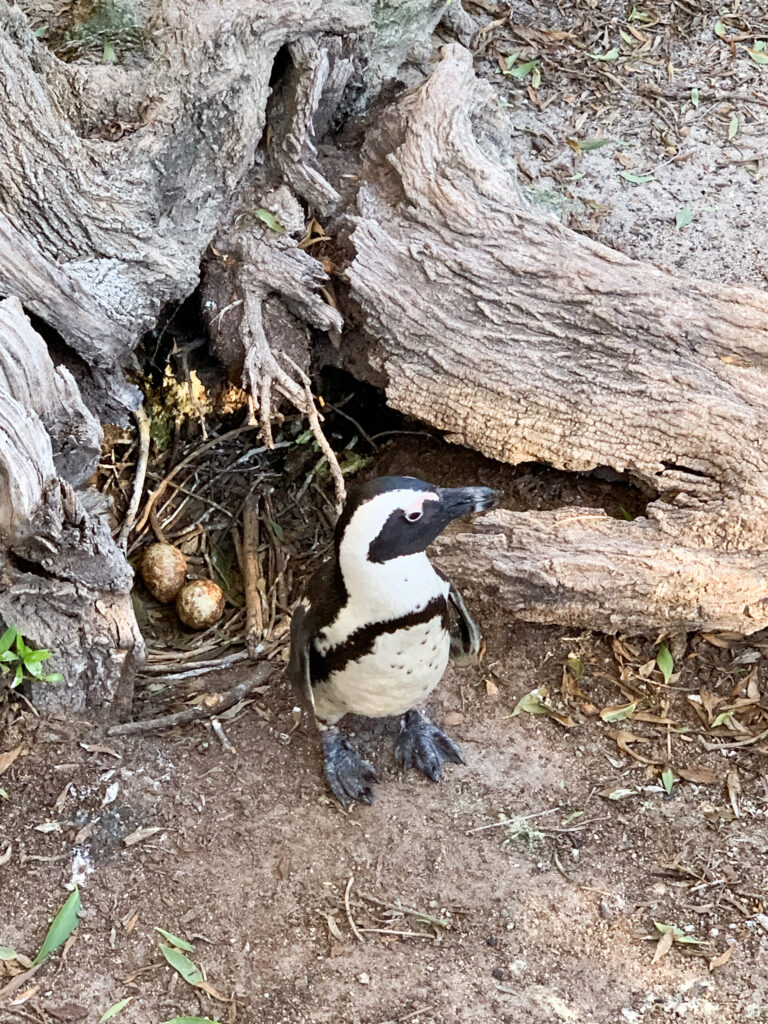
(197, 490)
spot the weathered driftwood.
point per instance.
(63, 582)
(124, 217)
(521, 339)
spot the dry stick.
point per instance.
(735, 743)
(252, 573)
(352, 925)
(142, 423)
(160, 489)
(224, 700)
(314, 423)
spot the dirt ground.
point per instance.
(523, 888)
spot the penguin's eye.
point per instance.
(415, 515)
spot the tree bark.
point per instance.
(527, 342)
(64, 584)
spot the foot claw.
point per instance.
(422, 745)
(349, 776)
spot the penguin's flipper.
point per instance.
(465, 636)
(298, 665)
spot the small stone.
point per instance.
(363, 979)
(492, 941)
(498, 974)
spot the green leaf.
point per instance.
(636, 15)
(534, 703)
(719, 29)
(733, 127)
(511, 60)
(6, 640)
(626, 515)
(758, 56)
(277, 529)
(611, 54)
(182, 964)
(665, 663)
(585, 145)
(576, 666)
(191, 1020)
(695, 96)
(668, 778)
(33, 657)
(4, 794)
(7, 656)
(61, 928)
(18, 677)
(628, 39)
(175, 940)
(53, 677)
(108, 56)
(40, 31)
(636, 179)
(114, 1009)
(680, 936)
(683, 217)
(721, 719)
(521, 70)
(618, 714)
(270, 220)
(536, 77)
(8, 953)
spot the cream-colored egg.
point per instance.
(200, 604)
(163, 569)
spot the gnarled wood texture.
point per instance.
(521, 339)
(63, 582)
(126, 220)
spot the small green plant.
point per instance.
(17, 658)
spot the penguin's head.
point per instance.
(392, 516)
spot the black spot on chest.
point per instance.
(362, 640)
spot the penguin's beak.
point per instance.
(460, 501)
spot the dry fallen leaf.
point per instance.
(453, 718)
(723, 958)
(7, 759)
(664, 945)
(333, 928)
(99, 748)
(700, 775)
(140, 835)
(734, 790)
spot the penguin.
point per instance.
(378, 623)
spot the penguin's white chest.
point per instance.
(401, 669)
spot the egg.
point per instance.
(200, 603)
(163, 569)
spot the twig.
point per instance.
(352, 925)
(391, 931)
(252, 574)
(220, 702)
(511, 821)
(222, 736)
(160, 489)
(142, 422)
(322, 442)
(735, 743)
(195, 669)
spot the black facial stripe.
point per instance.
(400, 536)
(361, 641)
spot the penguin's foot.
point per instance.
(422, 745)
(349, 776)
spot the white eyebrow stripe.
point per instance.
(418, 503)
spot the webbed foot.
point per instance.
(349, 776)
(422, 745)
